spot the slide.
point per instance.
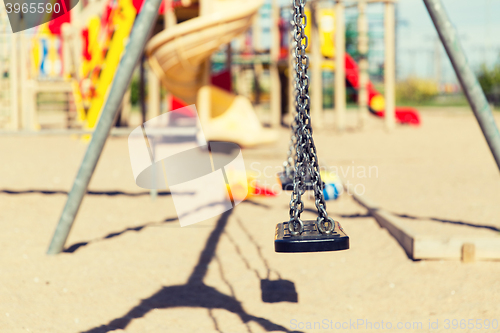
(178, 57)
(376, 102)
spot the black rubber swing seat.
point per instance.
(310, 240)
(287, 181)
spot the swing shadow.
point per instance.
(411, 217)
(96, 193)
(272, 291)
(193, 294)
(434, 219)
(74, 247)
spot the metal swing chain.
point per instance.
(306, 156)
(291, 159)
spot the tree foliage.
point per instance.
(489, 79)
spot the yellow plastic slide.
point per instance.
(178, 55)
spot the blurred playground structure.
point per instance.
(66, 67)
(212, 53)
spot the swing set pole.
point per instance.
(468, 80)
(138, 37)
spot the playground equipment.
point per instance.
(228, 117)
(104, 41)
(140, 32)
(245, 186)
(53, 71)
(376, 102)
(133, 51)
(179, 57)
(37, 63)
(76, 55)
(333, 185)
(296, 235)
(102, 28)
(328, 25)
(8, 119)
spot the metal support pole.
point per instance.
(273, 68)
(170, 20)
(257, 34)
(28, 93)
(142, 88)
(154, 95)
(14, 83)
(468, 80)
(291, 74)
(363, 63)
(126, 109)
(140, 32)
(340, 102)
(390, 66)
(169, 16)
(316, 92)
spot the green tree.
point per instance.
(489, 79)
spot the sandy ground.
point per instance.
(130, 267)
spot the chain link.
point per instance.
(306, 159)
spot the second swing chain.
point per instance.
(305, 150)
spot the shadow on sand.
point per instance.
(74, 247)
(434, 219)
(194, 294)
(410, 217)
(98, 193)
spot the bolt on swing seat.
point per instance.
(302, 170)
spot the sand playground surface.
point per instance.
(130, 267)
